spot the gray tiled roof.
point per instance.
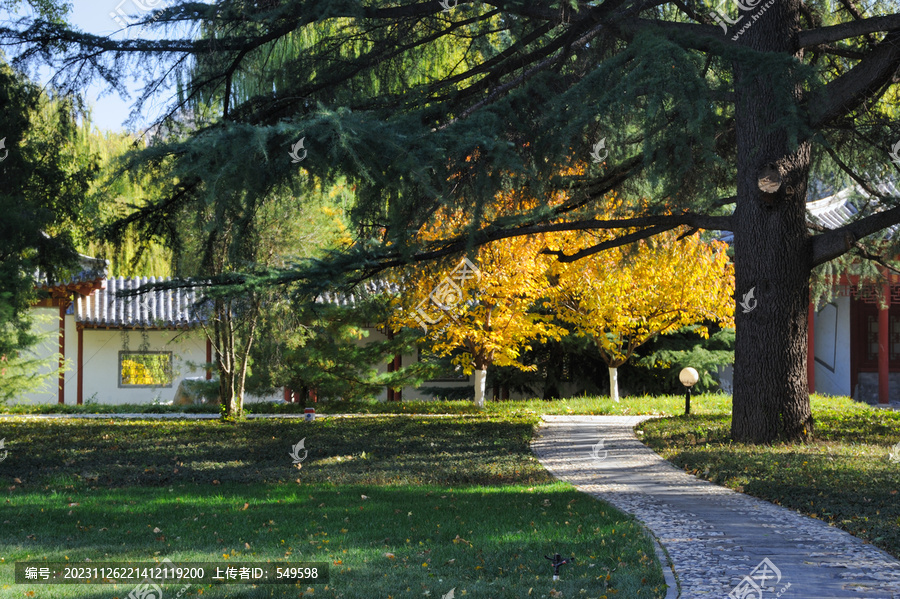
(159, 308)
(177, 308)
(832, 212)
(363, 290)
(837, 210)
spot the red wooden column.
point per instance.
(811, 348)
(390, 390)
(61, 385)
(883, 348)
(80, 374)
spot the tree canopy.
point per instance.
(623, 298)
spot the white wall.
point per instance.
(832, 347)
(101, 362)
(725, 376)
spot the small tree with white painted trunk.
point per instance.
(493, 322)
(625, 297)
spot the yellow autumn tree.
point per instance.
(623, 297)
(483, 305)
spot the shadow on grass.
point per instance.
(367, 451)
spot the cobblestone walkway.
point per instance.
(716, 539)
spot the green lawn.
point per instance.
(844, 477)
(450, 503)
(656, 405)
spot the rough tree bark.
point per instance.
(771, 247)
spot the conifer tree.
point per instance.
(722, 116)
(43, 182)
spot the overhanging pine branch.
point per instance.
(695, 36)
(461, 243)
(835, 33)
(859, 247)
(608, 245)
(591, 190)
(837, 242)
(860, 180)
(866, 79)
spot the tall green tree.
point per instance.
(720, 116)
(44, 177)
(112, 196)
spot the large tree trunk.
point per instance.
(771, 398)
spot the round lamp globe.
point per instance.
(688, 377)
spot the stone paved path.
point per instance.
(714, 537)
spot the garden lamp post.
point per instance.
(688, 377)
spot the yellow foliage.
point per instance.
(621, 297)
(624, 297)
(486, 313)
